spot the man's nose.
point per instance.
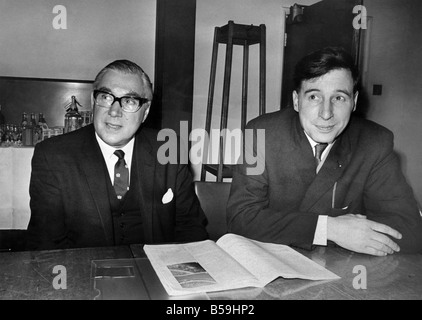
(115, 109)
(326, 110)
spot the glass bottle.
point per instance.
(41, 121)
(7, 135)
(26, 132)
(44, 126)
(72, 118)
(32, 126)
(37, 133)
(19, 135)
(2, 119)
(15, 136)
(1, 133)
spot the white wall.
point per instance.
(217, 13)
(98, 32)
(394, 61)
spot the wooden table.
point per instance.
(29, 275)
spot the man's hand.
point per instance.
(355, 232)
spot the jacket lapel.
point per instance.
(330, 172)
(93, 165)
(144, 159)
(301, 157)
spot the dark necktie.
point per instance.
(121, 175)
(319, 149)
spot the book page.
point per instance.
(268, 261)
(197, 267)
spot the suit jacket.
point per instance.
(361, 175)
(69, 199)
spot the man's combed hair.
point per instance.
(320, 62)
(124, 66)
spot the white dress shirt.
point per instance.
(111, 159)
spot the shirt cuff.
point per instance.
(320, 237)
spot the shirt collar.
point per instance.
(313, 143)
(108, 151)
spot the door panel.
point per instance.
(326, 23)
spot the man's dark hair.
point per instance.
(124, 66)
(320, 62)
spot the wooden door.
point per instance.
(326, 23)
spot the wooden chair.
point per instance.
(213, 197)
(233, 34)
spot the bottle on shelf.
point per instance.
(17, 139)
(26, 130)
(44, 126)
(32, 126)
(2, 119)
(41, 121)
(19, 135)
(7, 135)
(1, 133)
(72, 118)
(36, 133)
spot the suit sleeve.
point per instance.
(249, 212)
(46, 229)
(389, 199)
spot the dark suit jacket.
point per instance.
(282, 204)
(69, 200)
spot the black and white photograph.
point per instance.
(191, 274)
(280, 138)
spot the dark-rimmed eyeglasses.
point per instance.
(127, 103)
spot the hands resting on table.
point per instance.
(355, 232)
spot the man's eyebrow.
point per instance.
(104, 89)
(311, 90)
(346, 92)
(133, 93)
(130, 93)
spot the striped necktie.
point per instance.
(121, 175)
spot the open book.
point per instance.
(230, 263)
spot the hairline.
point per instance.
(140, 73)
(354, 81)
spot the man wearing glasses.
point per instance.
(102, 185)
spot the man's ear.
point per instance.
(355, 100)
(146, 111)
(295, 100)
